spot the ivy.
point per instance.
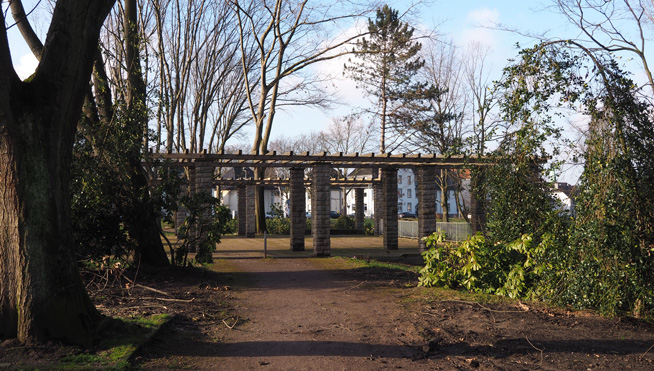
(602, 256)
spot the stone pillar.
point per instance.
(426, 182)
(389, 184)
(298, 209)
(358, 211)
(242, 210)
(182, 212)
(320, 200)
(203, 184)
(250, 220)
(378, 196)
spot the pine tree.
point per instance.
(387, 63)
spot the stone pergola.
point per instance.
(201, 169)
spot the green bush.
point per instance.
(278, 226)
(507, 269)
(207, 220)
(603, 258)
(231, 227)
(344, 223)
(369, 226)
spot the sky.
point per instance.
(460, 21)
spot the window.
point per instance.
(399, 179)
(408, 207)
(399, 207)
(408, 179)
(365, 194)
(408, 192)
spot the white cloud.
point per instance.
(26, 66)
(478, 27)
(483, 17)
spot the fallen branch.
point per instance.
(169, 299)
(648, 349)
(147, 287)
(233, 324)
(538, 349)
(355, 286)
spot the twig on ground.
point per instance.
(169, 299)
(648, 349)
(538, 349)
(147, 287)
(355, 286)
(233, 324)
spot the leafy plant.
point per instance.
(278, 226)
(201, 230)
(345, 223)
(506, 269)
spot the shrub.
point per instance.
(201, 230)
(345, 223)
(278, 226)
(506, 269)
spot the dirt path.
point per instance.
(332, 314)
(296, 315)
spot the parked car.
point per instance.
(334, 215)
(406, 214)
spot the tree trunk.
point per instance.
(41, 293)
(142, 223)
(42, 296)
(259, 201)
(445, 203)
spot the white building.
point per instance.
(407, 195)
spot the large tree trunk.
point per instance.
(41, 294)
(142, 222)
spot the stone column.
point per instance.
(378, 196)
(320, 200)
(203, 183)
(298, 209)
(242, 210)
(182, 212)
(426, 182)
(250, 220)
(389, 183)
(358, 210)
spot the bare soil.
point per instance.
(333, 314)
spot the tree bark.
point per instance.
(41, 293)
(142, 223)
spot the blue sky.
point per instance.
(461, 22)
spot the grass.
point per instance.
(121, 338)
(372, 263)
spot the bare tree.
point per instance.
(201, 99)
(620, 26)
(289, 36)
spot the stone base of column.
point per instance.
(250, 223)
(426, 178)
(320, 202)
(298, 210)
(389, 181)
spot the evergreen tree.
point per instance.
(388, 62)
